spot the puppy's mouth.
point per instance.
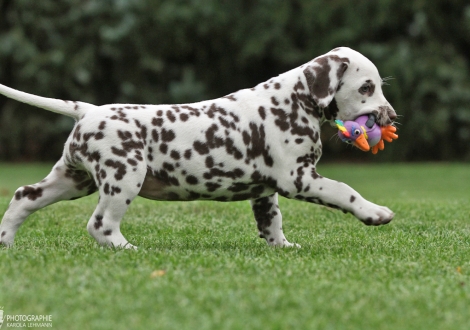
(384, 116)
(373, 119)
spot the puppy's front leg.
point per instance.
(314, 188)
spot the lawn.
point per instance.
(200, 265)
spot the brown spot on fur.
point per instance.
(99, 221)
(157, 122)
(299, 86)
(167, 166)
(315, 175)
(191, 179)
(132, 145)
(132, 162)
(164, 148)
(224, 122)
(31, 193)
(155, 135)
(88, 136)
(167, 136)
(212, 186)
(230, 97)
(214, 109)
(120, 167)
(262, 112)
(119, 152)
(282, 120)
(209, 162)
(201, 148)
(175, 154)
(170, 116)
(235, 117)
(124, 135)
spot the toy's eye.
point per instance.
(357, 132)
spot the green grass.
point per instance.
(216, 274)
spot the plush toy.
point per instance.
(364, 133)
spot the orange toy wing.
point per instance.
(388, 134)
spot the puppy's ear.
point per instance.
(323, 76)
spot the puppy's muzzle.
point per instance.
(386, 116)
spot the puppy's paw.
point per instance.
(292, 245)
(6, 240)
(121, 246)
(374, 215)
(284, 244)
(129, 246)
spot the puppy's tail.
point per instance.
(72, 109)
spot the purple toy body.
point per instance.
(373, 134)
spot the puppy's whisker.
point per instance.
(336, 137)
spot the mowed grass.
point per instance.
(200, 265)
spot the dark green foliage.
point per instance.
(147, 51)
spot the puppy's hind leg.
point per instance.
(269, 220)
(116, 193)
(62, 183)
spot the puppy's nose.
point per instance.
(392, 114)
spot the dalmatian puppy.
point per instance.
(254, 144)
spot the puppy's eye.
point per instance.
(364, 89)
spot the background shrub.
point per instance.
(173, 51)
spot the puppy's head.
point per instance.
(350, 83)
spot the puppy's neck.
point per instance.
(328, 114)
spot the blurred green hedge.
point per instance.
(174, 51)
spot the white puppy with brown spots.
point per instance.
(250, 145)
